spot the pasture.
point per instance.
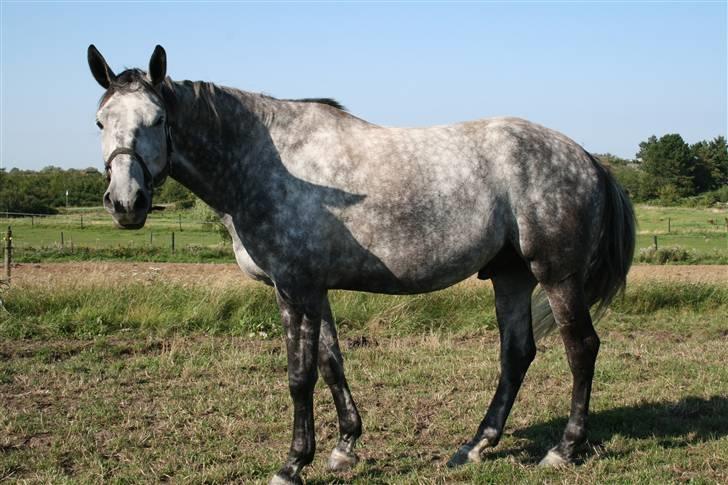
(701, 233)
(89, 234)
(146, 373)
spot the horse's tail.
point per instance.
(607, 272)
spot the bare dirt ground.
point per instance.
(226, 274)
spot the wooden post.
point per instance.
(61, 240)
(81, 221)
(32, 221)
(150, 238)
(8, 254)
(654, 238)
(668, 225)
(172, 241)
(180, 222)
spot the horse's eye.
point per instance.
(98, 123)
(158, 121)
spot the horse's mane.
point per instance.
(134, 79)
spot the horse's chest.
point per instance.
(246, 263)
(242, 257)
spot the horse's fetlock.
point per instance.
(492, 435)
(353, 430)
(574, 434)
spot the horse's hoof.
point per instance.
(471, 453)
(284, 479)
(463, 456)
(553, 458)
(340, 461)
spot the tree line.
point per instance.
(44, 191)
(666, 170)
(669, 171)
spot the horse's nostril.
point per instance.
(140, 203)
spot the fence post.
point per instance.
(668, 225)
(61, 240)
(8, 254)
(150, 238)
(180, 222)
(172, 241)
(32, 221)
(654, 238)
(81, 221)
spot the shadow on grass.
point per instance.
(670, 424)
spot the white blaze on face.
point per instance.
(127, 179)
(134, 120)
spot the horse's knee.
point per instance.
(516, 359)
(301, 384)
(330, 367)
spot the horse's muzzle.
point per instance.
(131, 214)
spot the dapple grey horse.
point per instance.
(317, 199)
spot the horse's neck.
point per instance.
(215, 133)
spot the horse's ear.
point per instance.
(158, 65)
(99, 68)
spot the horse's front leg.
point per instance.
(301, 315)
(331, 365)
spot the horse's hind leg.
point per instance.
(571, 312)
(513, 286)
(331, 366)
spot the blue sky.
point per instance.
(607, 74)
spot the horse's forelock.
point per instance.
(131, 80)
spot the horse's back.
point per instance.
(411, 210)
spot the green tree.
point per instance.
(711, 164)
(43, 191)
(669, 161)
(173, 191)
(612, 160)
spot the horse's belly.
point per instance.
(425, 255)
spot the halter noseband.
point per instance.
(157, 180)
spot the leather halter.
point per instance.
(157, 180)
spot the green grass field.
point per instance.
(89, 234)
(701, 233)
(157, 381)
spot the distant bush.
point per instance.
(674, 254)
(210, 220)
(173, 191)
(668, 195)
(185, 204)
(713, 198)
(43, 191)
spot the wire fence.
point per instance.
(93, 234)
(82, 219)
(181, 236)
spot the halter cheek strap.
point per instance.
(157, 180)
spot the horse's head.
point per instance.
(135, 136)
